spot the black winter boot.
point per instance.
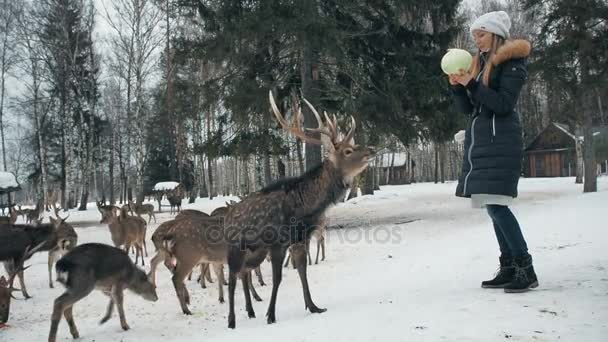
(503, 277)
(525, 278)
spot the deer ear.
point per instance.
(3, 282)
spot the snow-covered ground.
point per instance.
(406, 265)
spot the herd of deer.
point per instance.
(264, 225)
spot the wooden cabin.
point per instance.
(553, 152)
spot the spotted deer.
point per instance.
(97, 266)
(287, 212)
(193, 240)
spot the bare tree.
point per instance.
(134, 44)
(33, 68)
(9, 11)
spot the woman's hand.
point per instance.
(452, 79)
(463, 78)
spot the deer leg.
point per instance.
(69, 317)
(208, 274)
(323, 248)
(160, 256)
(219, 273)
(277, 255)
(118, 298)
(67, 300)
(299, 255)
(258, 273)
(287, 260)
(181, 271)
(246, 280)
(308, 252)
(22, 284)
(52, 258)
(235, 264)
(110, 309)
(254, 293)
(141, 253)
(318, 248)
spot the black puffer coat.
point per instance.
(493, 142)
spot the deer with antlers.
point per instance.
(288, 211)
(6, 286)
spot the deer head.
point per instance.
(108, 215)
(6, 286)
(346, 156)
(6, 293)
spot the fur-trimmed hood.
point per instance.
(516, 48)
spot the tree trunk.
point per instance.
(310, 75)
(579, 154)
(111, 168)
(436, 173)
(300, 156)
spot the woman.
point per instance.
(493, 141)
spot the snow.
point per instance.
(8, 180)
(408, 268)
(162, 186)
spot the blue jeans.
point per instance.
(508, 233)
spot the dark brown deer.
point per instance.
(94, 265)
(6, 286)
(126, 231)
(175, 200)
(288, 211)
(14, 239)
(140, 209)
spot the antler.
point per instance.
(18, 267)
(295, 128)
(330, 129)
(56, 210)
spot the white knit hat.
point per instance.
(498, 23)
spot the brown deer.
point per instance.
(287, 212)
(193, 240)
(94, 265)
(66, 239)
(103, 208)
(140, 209)
(126, 231)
